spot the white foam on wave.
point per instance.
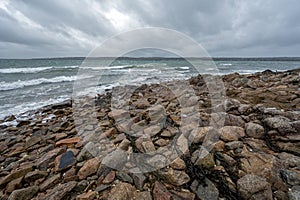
(18, 110)
(226, 64)
(20, 84)
(30, 70)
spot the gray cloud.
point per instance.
(51, 28)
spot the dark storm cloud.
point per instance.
(47, 28)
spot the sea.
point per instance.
(29, 84)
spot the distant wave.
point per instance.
(226, 64)
(30, 70)
(32, 82)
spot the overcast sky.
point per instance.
(58, 28)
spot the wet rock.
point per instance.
(65, 161)
(231, 133)
(32, 176)
(160, 192)
(122, 191)
(255, 130)
(61, 191)
(174, 177)
(90, 167)
(24, 194)
(254, 187)
(50, 182)
(205, 190)
(87, 196)
(16, 174)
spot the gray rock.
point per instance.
(282, 124)
(144, 196)
(255, 130)
(234, 145)
(254, 187)
(124, 177)
(50, 182)
(24, 193)
(206, 190)
(294, 193)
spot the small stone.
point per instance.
(254, 187)
(205, 190)
(152, 130)
(175, 177)
(231, 133)
(110, 177)
(145, 144)
(34, 175)
(124, 177)
(65, 161)
(178, 163)
(60, 191)
(161, 142)
(33, 140)
(207, 161)
(160, 192)
(122, 191)
(24, 194)
(199, 134)
(255, 130)
(90, 167)
(50, 182)
(69, 141)
(87, 196)
(234, 145)
(101, 188)
(89, 151)
(124, 145)
(290, 177)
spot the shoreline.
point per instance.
(54, 155)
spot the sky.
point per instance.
(227, 28)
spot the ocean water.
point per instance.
(28, 84)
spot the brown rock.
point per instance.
(254, 187)
(152, 130)
(231, 133)
(90, 167)
(122, 191)
(16, 174)
(60, 191)
(178, 163)
(87, 196)
(69, 141)
(24, 194)
(50, 182)
(110, 177)
(254, 130)
(14, 184)
(182, 195)
(34, 175)
(175, 177)
(160, 192)
(144, 196)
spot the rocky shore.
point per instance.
(161, 144)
